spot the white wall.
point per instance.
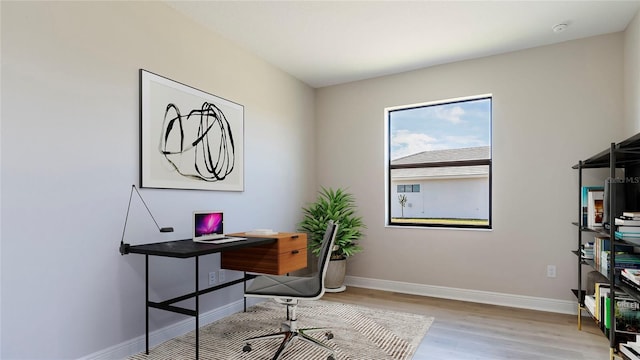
(462, 198)
(552, 106)
(632, 75)
(70, 138)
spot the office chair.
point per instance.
(288, 290)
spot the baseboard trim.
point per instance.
(484, 297)
(137, 345)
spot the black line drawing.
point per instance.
(210, 150)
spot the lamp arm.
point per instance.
(145, 205)
(124, 248)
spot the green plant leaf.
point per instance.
(337, 205)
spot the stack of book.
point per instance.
(628, 227)
(587, 251)
(631, 349)
(631, 277)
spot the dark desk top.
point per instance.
(188, 248)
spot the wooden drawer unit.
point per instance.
(287, 254)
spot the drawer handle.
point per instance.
(295, 251)
(295, 236)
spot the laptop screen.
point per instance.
(207, 225)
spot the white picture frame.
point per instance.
(189, 139)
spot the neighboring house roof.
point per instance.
(473, 153)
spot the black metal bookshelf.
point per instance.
(624, 155)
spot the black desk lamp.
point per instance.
(124, 248)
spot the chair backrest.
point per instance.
(325, 252)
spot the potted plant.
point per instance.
(339, 206)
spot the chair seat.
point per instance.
(285, 286)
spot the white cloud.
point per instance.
(406, 143)
(451, 114)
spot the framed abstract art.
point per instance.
(190, 139)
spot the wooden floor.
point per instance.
(464, 330)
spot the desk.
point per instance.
(184, 249)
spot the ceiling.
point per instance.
(330, 42)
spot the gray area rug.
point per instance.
(359, 333)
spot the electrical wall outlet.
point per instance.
(212, 278)
(221, 275)
(551, 271)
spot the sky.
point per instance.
(440, 126)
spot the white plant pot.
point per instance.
(334, 280)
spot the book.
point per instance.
(631, 214)
(632, 238)
(633, 345)
(601, 291)
(623, 235)
(586, 254)
(627, 313)
(585, 192)
(631, 274)
(595, 208)
(629, 229)
(587, 251)
(629, 351)
(627, 222)
(628, 282)
(590, 304)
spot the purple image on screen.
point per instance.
(207, 224)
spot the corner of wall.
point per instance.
(632, 76)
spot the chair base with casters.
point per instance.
(288, 291)
(290, 333)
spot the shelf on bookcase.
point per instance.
(602, 232)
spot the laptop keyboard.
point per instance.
(225, 240)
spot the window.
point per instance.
(439, 164)
(409, 188)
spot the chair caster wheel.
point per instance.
(330, 357)
(328, 335)
(246, 348)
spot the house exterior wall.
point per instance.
(464, 198)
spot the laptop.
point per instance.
(208, 227)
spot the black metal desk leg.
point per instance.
(245, 290)
(146, 298)
(197, 313)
